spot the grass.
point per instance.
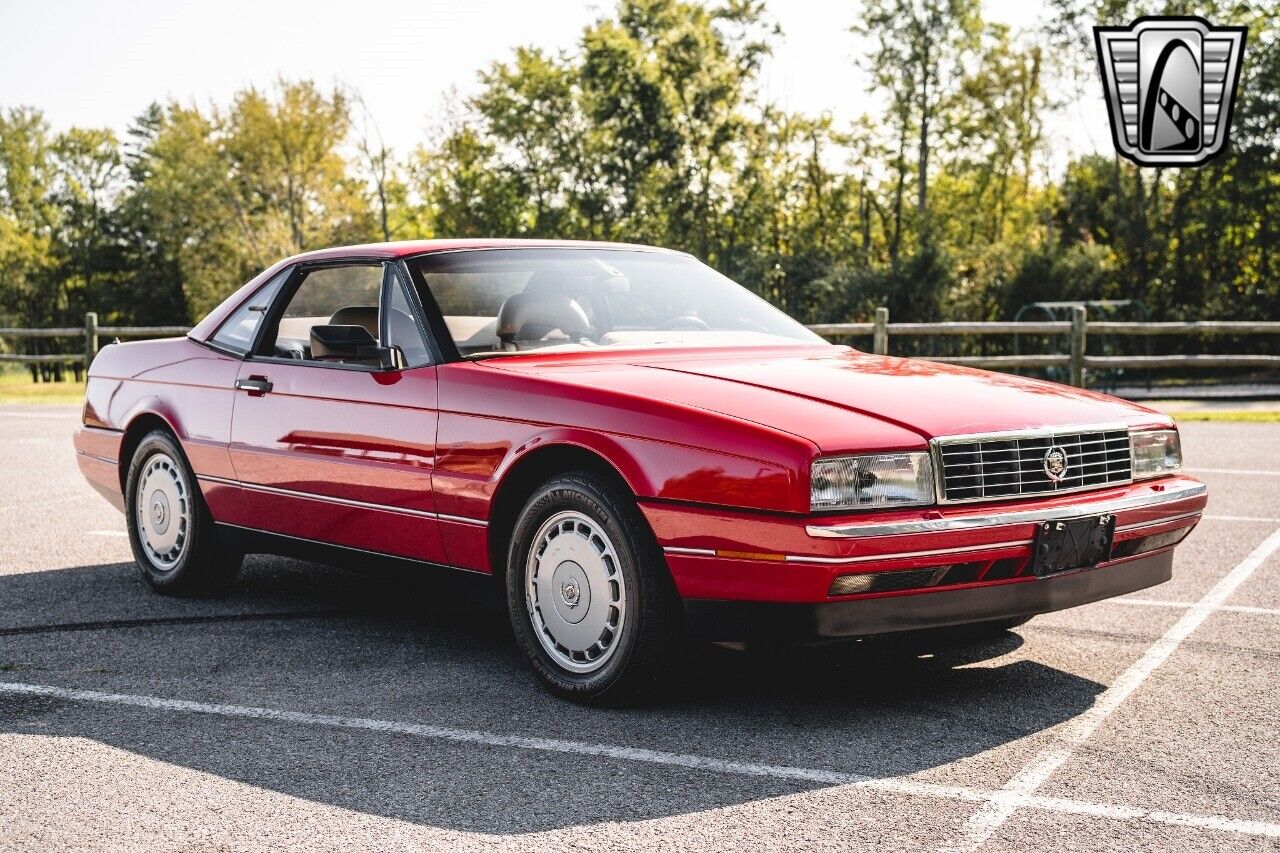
(18, 388)
(1255, 416)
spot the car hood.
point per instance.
(844, 400)
(926, 397)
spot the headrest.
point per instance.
(357, 315)
(545, 281)
(335, 341)
(531, 316)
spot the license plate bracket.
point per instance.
(1074, 543)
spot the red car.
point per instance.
(637, 447)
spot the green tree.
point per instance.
(89, 168)
(919, 49)
(288, 170)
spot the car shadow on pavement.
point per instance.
(299, 637)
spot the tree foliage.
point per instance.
(652, 127)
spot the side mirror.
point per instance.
(352, 343)
(387, 357)
(340, 343)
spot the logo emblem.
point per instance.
(1055, 463)
(570, 592)
(1170, 84)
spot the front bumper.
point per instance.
(748, 620)
(724, 555)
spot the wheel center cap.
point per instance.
(571, 592)
(159, 512)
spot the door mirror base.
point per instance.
(388, 358)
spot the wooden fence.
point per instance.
(90, 333)
(1076, 362)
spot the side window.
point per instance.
(333, 312)
(402, 328)
(239, 330)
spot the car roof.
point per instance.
(406, 248)
(208, 326)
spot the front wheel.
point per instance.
(588, 592)
(170, 528)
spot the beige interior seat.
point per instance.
(357, 315)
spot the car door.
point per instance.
(335, 449)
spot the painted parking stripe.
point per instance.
(905, 786)
(45, 503)
(1242, 518)
(65, 416)
(984, 822)
(1183, 605)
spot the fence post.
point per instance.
(880, 335)
(90, 339)
(1079, 329)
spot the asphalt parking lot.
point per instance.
(325, 709)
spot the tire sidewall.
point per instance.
(181, 574)
(581, 495)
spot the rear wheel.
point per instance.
(170, 530)
(589, 596)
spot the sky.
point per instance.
(98, 64)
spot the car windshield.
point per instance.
(503, 301)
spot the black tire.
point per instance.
(197, 564)
(650, 637)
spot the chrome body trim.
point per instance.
(351, 548)
(1035, 432)
(290, 493)
(691, 552)
(866, 558)
(96, 458)
(858, 530)
(969, 523)
(462, 519)
(904, 555)
(1186, 516)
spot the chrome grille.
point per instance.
(1008, 465)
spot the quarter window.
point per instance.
(239, 330)
(402, 329)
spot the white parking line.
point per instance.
(1241, 518)
(1183, 605)
(40, 504)
(66, 416)
(1250, 471)
(984, 822)
(905, 786)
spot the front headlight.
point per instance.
(1155, 453)
(883, 480)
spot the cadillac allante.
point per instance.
(636, 448)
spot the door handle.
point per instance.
(255, 385)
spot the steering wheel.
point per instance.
(686, 323)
